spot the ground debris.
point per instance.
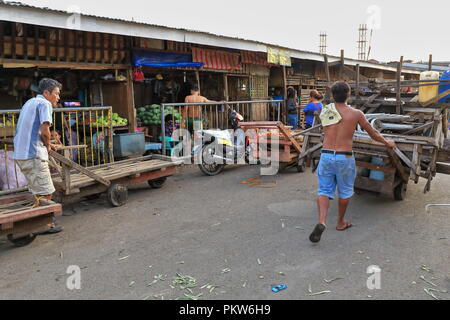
(429, 282)
(332, 280)
(192, 297)
(226, 270)
(184, 282)
(318, 293)
(428, 292)
(124, 258)
(426, 268)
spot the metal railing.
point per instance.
(86, 133)
(215, 115)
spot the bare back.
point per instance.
(339, 137)
(194, 111)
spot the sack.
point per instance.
(330, 115)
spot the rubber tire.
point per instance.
(219, 168)
(400, 191)
(23, 241)
(158, 183)
(117, 195)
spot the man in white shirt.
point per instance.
(32, 141)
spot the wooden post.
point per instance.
(25, 42)
(398, 89)
(285, 93)
(327, 73)
(197, 78)
(131, 111)
(36, 43)
(85, 46)
(342, 66)
(357, 96)
(14, 40)
(47, 44)
(225, 86)
(430, 63)
(2, 42)
(66, 45)
(357, 82)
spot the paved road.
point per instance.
(239, 238)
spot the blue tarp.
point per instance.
(163, 59)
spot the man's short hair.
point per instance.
(341, 91)
(195, 87)
(49, 85)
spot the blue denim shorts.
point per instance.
(336, 171)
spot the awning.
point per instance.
(162, 59)
(217, 60)
(252, 57)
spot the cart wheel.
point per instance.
(23, 241)
(158, 183)
(117, 195)
(400, 191)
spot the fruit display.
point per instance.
(103, 121)
(151, 115)
(8, 123)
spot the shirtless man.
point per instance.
(337, 166)
(192, 114)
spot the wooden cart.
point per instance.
(287, 145)
(76, 182)
(20, 222)
(414, 157)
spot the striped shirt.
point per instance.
(27, 142)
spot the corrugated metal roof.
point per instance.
(424, 67)
(198, 37)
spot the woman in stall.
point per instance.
(315, 105)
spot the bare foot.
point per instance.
(344, 226)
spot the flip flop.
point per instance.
(317, 233)
(348, 226)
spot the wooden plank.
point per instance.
(422, 128)
(402, 156)
(79, 168)
(398, 87)
(306, 153)
(372, 185)
(443, 168)
(372, 166)
(32, 225)
(415, 168)
(396, 161)
(31, 213)
(294, 142)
